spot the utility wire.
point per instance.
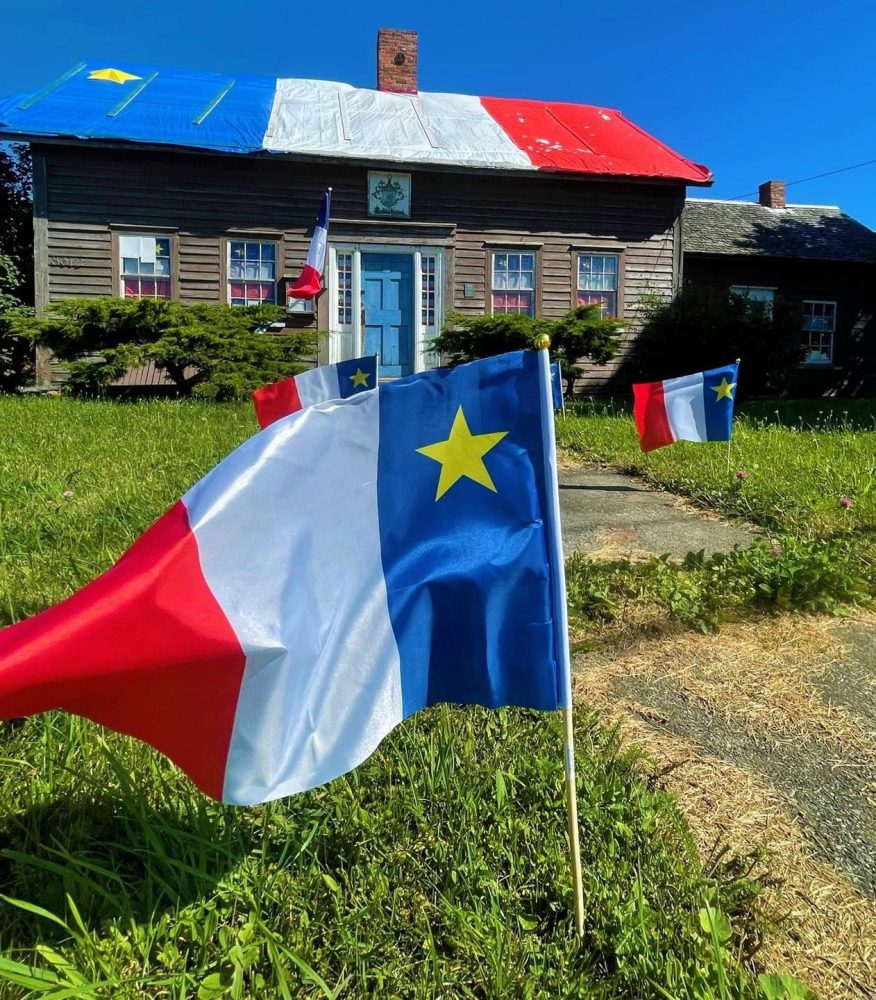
(814, 177)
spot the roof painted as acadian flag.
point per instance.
(124, 102)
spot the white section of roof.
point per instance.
(326, 118)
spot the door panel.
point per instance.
(388, 303)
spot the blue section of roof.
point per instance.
(168, 106)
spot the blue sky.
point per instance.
(753, 89)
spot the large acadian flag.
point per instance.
(317, 385)
(696, 407)
(353, 563)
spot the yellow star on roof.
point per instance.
(724, 390)
(113, 75)
(360, 378)
(462, 454)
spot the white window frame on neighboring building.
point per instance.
(346, 338)
(152, 262)
(248, 263)
(821, 328)
(756, 293)
(501, 278)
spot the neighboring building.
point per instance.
(153, 182)
(814, 256)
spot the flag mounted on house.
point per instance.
(339, 571)
(317, 385)
(309, 283)
(696, 407)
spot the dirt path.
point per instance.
(766, 734)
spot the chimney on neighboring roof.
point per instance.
(397, 61)
(771, 194)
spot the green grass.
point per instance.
(437, 869)
(799, 463)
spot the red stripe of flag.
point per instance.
(144, 649)
(649, 411)
(275, 401)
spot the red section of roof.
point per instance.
(581, 139)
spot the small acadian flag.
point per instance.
(318, 385)
(695, 407)
(339, 571)
(309, 283)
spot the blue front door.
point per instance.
(388, 300)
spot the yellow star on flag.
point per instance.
(113, 75)
(462, 454)
(724, 390)
(360, 378)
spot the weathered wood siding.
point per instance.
(202, 201)
(852, 286)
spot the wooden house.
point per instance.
(815, 257)
(205, 188)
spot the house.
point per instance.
(820, 260)
(202, 187)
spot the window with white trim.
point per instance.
(513, 282)
(819, 326)
(252, 272)
(764, 296)
(428, 290)
(345, 289)
(145, 267)
(598, 281)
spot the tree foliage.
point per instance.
(699, 330)
(16, 224)
(16, 355)
(582, 333)
(208, 351)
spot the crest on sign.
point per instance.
(389, 195)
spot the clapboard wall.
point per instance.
(86, 197)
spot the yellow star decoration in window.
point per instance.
(462, 454)
(113, 75)
(360, 378)
(724, 390)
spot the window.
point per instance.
(252, 272)
(598, 281)
(145, 267)
(819, 324)
(345, 289)
(428, 266)
(754, 294)
(514, 283)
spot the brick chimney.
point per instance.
(771, 194)
(397, 61)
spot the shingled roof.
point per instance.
(742, 228)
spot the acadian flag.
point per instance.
(695, 407)
(353, 563)
(318, 385)
(309, 283)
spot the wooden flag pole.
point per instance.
(738, 362)
(543, 344)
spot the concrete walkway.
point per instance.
(612, 516)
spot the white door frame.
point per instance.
(351, 337)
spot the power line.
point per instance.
(814, 177)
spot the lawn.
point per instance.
(437, 869)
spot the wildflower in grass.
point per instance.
(67, 494)
(742, 474)
(775, 552)
(846, 501)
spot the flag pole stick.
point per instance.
(738, 361)
(562, 625)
